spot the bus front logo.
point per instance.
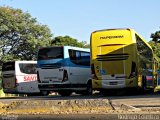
(103, 72)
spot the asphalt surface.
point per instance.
(83, 117)
(135, 100)
(61, 117)
(140, 101)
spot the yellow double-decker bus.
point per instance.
(120, 58)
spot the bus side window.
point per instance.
(79, 57)
(85, 58)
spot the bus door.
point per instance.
(8, 75)
(74, 67)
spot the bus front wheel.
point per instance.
(65, 93)
(89, 90)
(44, 93)
(143, 86)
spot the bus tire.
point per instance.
(65, 93)
(106, 92)
(29, 94)
(44, 93)
(33, 94)
(89, 90)
(143, 87)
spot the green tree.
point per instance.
(155, 43)
(156, 47)
(85, 44)
(21, 35)
(67, 40)
(156, 36)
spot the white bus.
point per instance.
(19, 77)
(64, 69)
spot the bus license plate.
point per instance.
(113, 83)
(51, 86)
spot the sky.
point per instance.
(78, 18)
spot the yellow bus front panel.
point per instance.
(112, 55)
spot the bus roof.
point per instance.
(113, 29)
(130, 29)
(70, 47)
(21, 61)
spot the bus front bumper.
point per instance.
(108, 84)
(10, 90)
(58, 87)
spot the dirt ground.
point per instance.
(92, 106)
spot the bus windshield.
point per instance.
(50, 53)
(8, 66)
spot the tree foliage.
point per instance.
(156, 47)
(67, 40)
(156, 36)
(21, 35)
(155, 43)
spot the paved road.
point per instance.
(83, 117)
(60, 117)
(138, 101)
(135, 100)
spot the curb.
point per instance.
(129, 107)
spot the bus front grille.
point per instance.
(51, 66)
(112, 57)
